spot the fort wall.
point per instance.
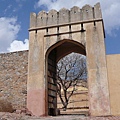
(113, 67)
(13, 78)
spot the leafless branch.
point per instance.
(70, 70)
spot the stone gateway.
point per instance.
(31, 75)
(55, 34)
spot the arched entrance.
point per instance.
(49, 34)
(53, 55)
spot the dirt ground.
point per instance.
(14, 116)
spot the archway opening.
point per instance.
(54, 54)
(72, 87)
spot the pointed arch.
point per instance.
(53, 55)
(65, 47)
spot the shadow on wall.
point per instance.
(5, 106)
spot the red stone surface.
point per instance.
(36, 102)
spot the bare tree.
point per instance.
(70, 70)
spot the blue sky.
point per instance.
(15, 14)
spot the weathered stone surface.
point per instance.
(53, 17)
(41, 19)
(33, 20)
(87, 11)
(13, 78)
(35, 83)
(75, 14)
(5, 106)
(113, 67)
(63, 16)
(97, 71)
(97, 11)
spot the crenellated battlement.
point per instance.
(65, 16)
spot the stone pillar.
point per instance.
(49, 28)
(99, 102)
(36, 92)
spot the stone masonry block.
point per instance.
(32, 20)
(97, 11)
(41, 19)
(52, 17)
(64, 16)
(75, 14)
(87, 12)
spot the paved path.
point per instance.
(70, 117)
(13, 116)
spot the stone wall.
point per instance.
(113, 67)
(13, 78)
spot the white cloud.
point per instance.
(8, 32)
(18, 45)
(110, 9)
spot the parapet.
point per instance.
(64, 16)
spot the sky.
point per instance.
(15, 17)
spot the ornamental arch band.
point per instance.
(57, 34)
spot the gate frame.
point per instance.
(66, 52)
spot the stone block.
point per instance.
(75, 14)
(97, 11)
(33, 20)
(52, 17)
(63, 16)
(41, 19)
(87, 12)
